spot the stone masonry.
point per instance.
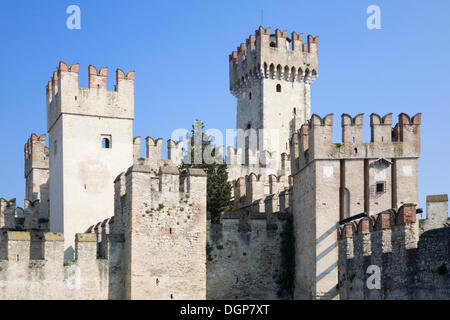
(102, 220)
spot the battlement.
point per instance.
(314, 139)
(36, 154)
(165, 189)
(65, 96)
(167, 178)
(274, 56)
(437, 213)
(249, 157)
(385, 220)
(37, 258)
(17, 218)
(153, 154)
(163, 217)
(251, 191)
(49, 246)
(390, 241)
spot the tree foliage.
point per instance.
(218, 187)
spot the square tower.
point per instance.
(36, 172)
(336, 181)
(270, 75)
(90, 142)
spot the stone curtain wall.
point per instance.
(411, 267)
(432, 265)
(51, 277)
(243, 261)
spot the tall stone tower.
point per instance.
(36, 177)
(36, 171)
(90, 141)
(270, 75)
(335, 181)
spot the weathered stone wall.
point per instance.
(37, 173)
(437, 213)
(53, 278)
(165, 233)
(432, 265)
(243, 260)
(411, 267)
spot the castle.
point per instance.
(309, 216)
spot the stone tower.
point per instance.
(163, 219)
(36, 172)
(335, 181)
(90, 141)
(270, 75)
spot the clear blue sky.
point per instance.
(180, 53)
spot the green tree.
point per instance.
(203, 154)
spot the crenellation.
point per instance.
(175, 151)
(172, 220)
(285, 201)
(65, 96)
(169, 179)
(334, 210)
(381, 128)
(16, 218)
(53, 247)
(390, 241)
(136, 148)
(18, 246)
(263, 50)
(97, 78)
(436, 213)
(272, 206)
(314, 140)
(86, 246)
(351, 131)
(153, 150)
(153, 154)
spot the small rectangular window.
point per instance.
(380, 188)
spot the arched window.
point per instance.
(278, 87)
(249, 96)
(249, 125)
(106, 144)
